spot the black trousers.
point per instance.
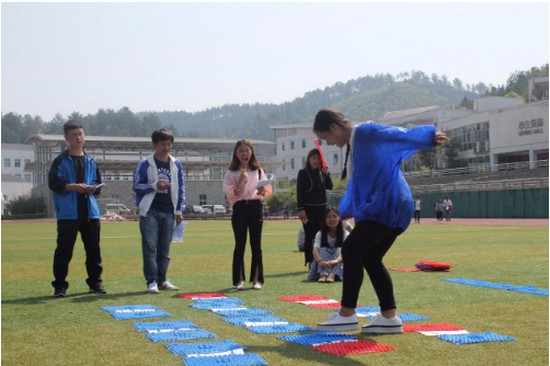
(67, 231)
(247, 218)
(315, 215)
(365, 248)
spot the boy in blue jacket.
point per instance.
(381, 203)
(160, 195)
(73, 178)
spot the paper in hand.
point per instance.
(177, 235)
(263, 183)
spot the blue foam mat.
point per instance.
(248, 359)
(164, 325)
(140, 311)
(223, 303)
(244, 312)
(407, 317)
(249, 319)
(283, 328)
(318, 338)
(501, 286)
(179, 335)
(203, 348)
(475, 338)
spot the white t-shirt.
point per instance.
(330, 239)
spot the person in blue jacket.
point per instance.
(381, 203)
(160, 196)
(73, 178)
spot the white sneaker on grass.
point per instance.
(153, 288)
(381, 325)
(337, 323)
(240, 286)
(167, 285)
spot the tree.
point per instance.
(55, 126)
(11, 128)
(27, 205)
(31, 126)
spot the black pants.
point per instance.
(315, 215)
(365, 247)
(247, 217)
(67, 231)
(417, 215)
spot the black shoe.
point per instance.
(59, 292)
(97, 289)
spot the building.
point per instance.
(205, 162)
(17, 174)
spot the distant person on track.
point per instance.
(448, 206)
(417, 207)
(381, 203)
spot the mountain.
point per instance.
(366, 98)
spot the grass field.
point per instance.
(38, 329)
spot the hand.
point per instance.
(440, 138)
(179, 219)
(162, 185)
(302, 216)
(244, 176)
(261, 191)
(90, 189)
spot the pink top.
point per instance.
(248, 191)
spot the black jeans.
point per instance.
(315, 215)
(67, 231)
(247, 217)
(365, 248)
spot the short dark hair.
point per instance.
(162, 134)
(72, 124)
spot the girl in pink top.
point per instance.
(240, 185)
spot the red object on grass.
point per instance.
(429, 327)
(201, 295)
(353, 347)
(302, 298)
(323, 161)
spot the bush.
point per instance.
(27, 205)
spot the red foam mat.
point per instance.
(429, 327)
(201, 295)
(331, 305)
(353, 347)
(297, 298)
(406, 269)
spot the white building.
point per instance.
(293, 142)
(17, 174)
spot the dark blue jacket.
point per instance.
(62, 172)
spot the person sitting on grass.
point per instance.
(327, 246)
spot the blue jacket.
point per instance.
(62, 172)
(377, 190)
(145, 184)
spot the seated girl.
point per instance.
(328, 265)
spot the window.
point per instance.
(291, 145)
(7, 162)
(292, 163)
(283, 146)
(28, 177)
(17, 163)
(303, 144)
(335, 160)
(202, 199)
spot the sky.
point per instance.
(66, 57)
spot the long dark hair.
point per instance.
(323, 120)
(324, 228)
(309, 155)
(253, 163)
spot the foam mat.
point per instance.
(178, 335)
(475, 338)
(353, 347)
(231, 313)
(135, 312)
(164, 325)
(298, 298)
(500, 286)
(247, 359)
(318, 338)
(201, 295)
(281, 328)
(429, 327)
(204, 348)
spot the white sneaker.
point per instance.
(257, 286)
(167, 285)
(381, 325)
(240, 286)
(152, 288)
(337, 323)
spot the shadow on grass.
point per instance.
(79, 297)
(303, 355)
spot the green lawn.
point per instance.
(38, 329)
